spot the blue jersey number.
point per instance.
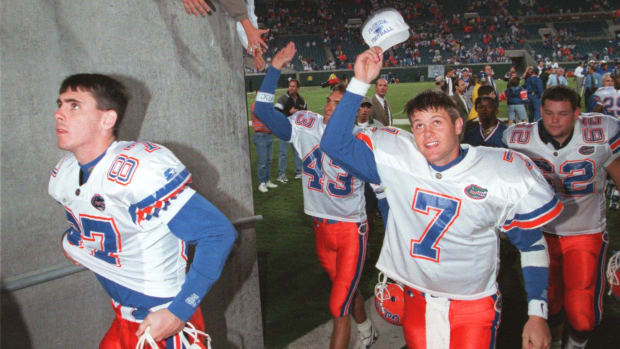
(579, 176)
(341, 186)
(99, 233)
(608, 106)
(446, 209)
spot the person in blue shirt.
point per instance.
(534, 88)
(489, 130)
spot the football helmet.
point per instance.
(613, 275)
(390, 300)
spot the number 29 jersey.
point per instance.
(576, 171)
(442, 234)
(329, 191)
(609, 98)
(118, 218)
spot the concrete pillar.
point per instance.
(185, 75)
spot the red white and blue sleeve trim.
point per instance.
(161, 199)
(536, 218)
(614, 143)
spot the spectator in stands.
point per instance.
(463, 106)
(557, 78)
(484, 90)
(332, 81)
(545, 74)
(607, 80)
(579, 77)
(381, 110)
(516, 97)
(481, 81)
(534, 87)
(488, 130)
(238, 10)
(591, 83)
(263, 141)
(490, 77)
(289, 104)
(450, 81)
(440, 84)
(540, 68)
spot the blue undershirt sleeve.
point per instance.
(338, 141)
(264, 109)
(535, 267)
(201, 224)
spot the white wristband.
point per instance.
(358, 87)
(538, 308)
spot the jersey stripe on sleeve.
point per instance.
(536, 218)
(150, 206)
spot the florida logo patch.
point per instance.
(586, 150)
(98, 202)
(475, 192)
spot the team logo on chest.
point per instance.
(98, 202)
(586, 150)
(475, 192)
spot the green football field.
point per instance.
(295, 289)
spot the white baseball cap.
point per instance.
(385, 29)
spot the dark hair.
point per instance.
(295, 81)
(486, 98)
(514, 81)
(485, 90)
(340, 87)
(431, 100)
(560, 94)
(109, 93)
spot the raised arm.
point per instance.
(338, 141)
(264, 109)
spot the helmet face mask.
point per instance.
(390, 301)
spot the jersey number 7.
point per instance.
(446, 210)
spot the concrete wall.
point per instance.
(186, 78)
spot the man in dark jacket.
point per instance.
(289, 104)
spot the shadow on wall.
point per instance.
(140, 98)
(13, 325)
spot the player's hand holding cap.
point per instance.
(385, 29)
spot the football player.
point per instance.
(332, 196)
(575, 153)
(447, 203)
(132, 216)
(608, 97)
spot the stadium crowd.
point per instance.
(441, 32)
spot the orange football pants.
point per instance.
(122, 332)
(341, 249)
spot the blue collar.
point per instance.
(87, 168)
(462, 153)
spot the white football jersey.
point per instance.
(609, 98)
(442, 234)
(118, 218)
(329, 191)
(576, 171)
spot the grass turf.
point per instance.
(294, 287)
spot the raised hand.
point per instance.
(256, 44)
(196, 7)
(284, 56)
(368, 64)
